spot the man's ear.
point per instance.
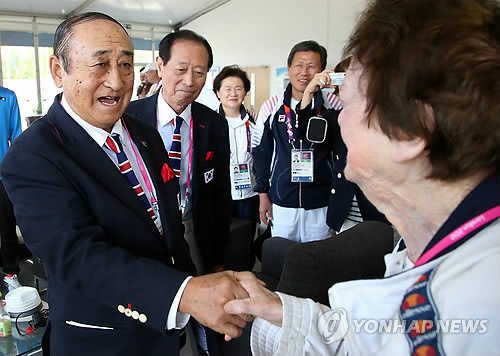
(159, 64)
(56, 70)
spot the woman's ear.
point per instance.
(56, 70)
(411, 148)
(408, 149)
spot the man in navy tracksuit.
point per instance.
(294, 195)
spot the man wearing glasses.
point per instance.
(294, 194)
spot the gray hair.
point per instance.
(64, 32)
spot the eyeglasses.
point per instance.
(301, 66)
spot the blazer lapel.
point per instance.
(200, 138)
(94, 160)
(153, 162)
(150, 109)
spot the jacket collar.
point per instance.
(484, 197)
(317, 101)
(166, 114)
(244, 114)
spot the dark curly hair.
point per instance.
(440, 57)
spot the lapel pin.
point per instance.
(144, 143)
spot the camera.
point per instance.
(336, 78)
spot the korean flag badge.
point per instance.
(209, 176)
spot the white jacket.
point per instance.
(239, 154)
(465, 286)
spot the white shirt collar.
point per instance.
(166, 114)
(99, 135)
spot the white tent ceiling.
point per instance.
(171, 13)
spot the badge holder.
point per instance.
(240, 176)
(302, 165)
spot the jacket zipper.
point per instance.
(300, 183)
(237, 153)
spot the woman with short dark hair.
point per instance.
(421, 123)
(231, 86)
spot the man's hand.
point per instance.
(261, 303)
(204, 298)
(265, 208)
(319, 81)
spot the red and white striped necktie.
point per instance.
(114, 144)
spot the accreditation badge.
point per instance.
(302, 166)
(240, 176)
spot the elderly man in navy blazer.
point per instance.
(203, 151)
(97, 200)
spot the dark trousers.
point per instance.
(8, 247)
(239, 253)
(247, 209)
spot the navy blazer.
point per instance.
(211, 202)
(100, 248)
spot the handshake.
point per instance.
(226, 301)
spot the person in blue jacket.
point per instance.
(10, 128)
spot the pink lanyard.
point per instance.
(143, 170)
(288, 121)
(190, 157)
(459, 233)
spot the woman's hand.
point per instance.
(261, 303)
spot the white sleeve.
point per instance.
(265, 110)
(176, 319)
(265, 338)
(299, 334)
